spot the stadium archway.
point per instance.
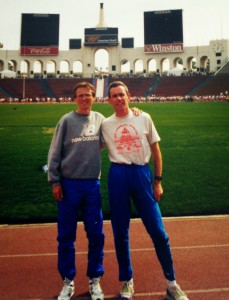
(64, 68)
(38, 68)
(204, 64)
(51, 68)
(152, 66)
(138, 66)
(77, 68)
(101, 60)
(165, 65)
(191, 64)
(12, 65)
(125, 66)
(25, 67)
(178, 62)
(1, 65)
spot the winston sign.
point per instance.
(164, 48)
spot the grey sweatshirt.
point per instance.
(75, 148)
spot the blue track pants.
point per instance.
(134, 181)
(80, 196)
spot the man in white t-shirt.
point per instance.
(130, 141)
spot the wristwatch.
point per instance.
(158, 178)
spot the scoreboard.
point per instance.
(163, 31)
(101, 36)
(40, 34)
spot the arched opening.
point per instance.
(138, 67)
(1, 65)
(204, 64)
(152, 67)
(51, 69)
(64, 68)
(12, 65)
(77, 68)
(125, 67)
(178, 63)
(24, 68)
(37, 68)
(165, 65)
(191, 64)
(101, 61)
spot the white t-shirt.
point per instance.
(129, 138)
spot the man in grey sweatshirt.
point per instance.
(74, 172)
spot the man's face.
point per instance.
(119, 99)
(84, 99)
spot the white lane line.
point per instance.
(113, 251)
(215, 290)
(201, 291)
(145, 295)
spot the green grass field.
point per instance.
(195, 149)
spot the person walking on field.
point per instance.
(130, 141)
(74, 173)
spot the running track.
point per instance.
(200, 247)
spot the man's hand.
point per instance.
(57, 192)
(158, 190)
(136, 111)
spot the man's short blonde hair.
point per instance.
(115, 84)
(86, 85)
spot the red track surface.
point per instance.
(200, 249)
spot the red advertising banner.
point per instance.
(164, 48)
(39, 51)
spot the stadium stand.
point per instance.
(215, 86)
(177, 85)
(139, 86)
(11, 88)
(63, 87)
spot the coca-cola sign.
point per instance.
(164, 48)
(39, 51)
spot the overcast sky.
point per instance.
(203, 20)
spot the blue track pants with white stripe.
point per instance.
(80, 196)
(134, 182)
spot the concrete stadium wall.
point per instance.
(216, 53)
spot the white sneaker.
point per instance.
(127, 290)
(67, 290)
(95, 289)
(175, 293)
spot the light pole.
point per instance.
(23, 87)
(23, 75)
(1, 46)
